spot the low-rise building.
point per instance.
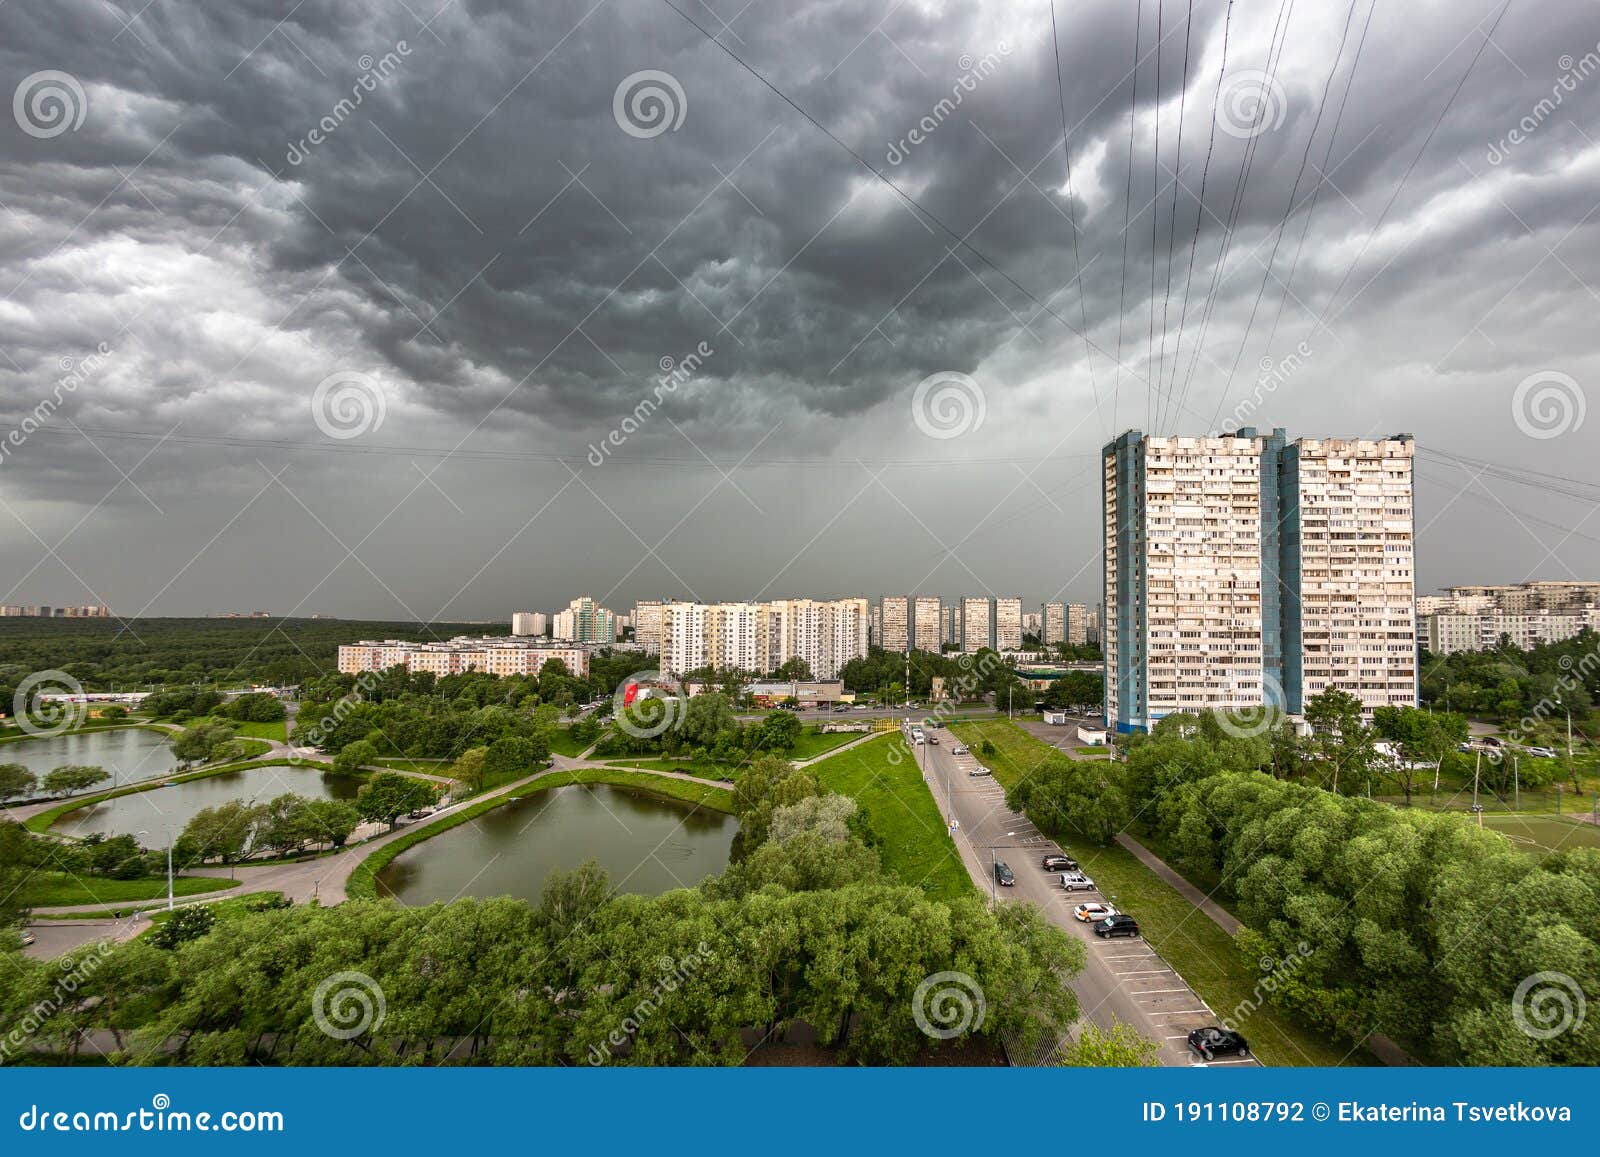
(492, 655)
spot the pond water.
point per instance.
(167, 809)
(128, 753)
(646, 844)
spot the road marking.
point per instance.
(1149, 972)
(1181, 1012)
(1155, 991)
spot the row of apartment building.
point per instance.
(491, 655)
(974, 622)
(11, 611)
(1245, 569)
(759, 637)
(1448, 632)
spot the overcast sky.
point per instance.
(350, 308)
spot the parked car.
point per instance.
(1212, 1041)
(1002, 874)
(1118, 924)
(980, 770)
(1093, 913)
(27, 938)
(1540, 752)
(959, 749)
(1076, 882)
(859, 707)
(1055, 862)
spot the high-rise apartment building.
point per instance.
(1078, 624)
(1055, 624)
(761, 637)
(527, 624)
(585, 622)
(926, 625)
(977, 623)
(647, 625)
(1008, 624)
(1245, 569)
(895, 611)
(951, 633)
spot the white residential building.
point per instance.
(493, 655)
(927, 625)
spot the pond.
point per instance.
(164, 809)
(128, 753)
(645, 843)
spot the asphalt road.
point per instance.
(1123, 979)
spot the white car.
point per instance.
(980, 770)
(1076, 882)
(958, 749)
(1092, 913)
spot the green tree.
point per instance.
(766, 785)
(227, 832)
(468, 768)
(16, 781)
(352, 757)
(779, 731)
(71, 778)
(1340, 742)
(389, 795)
(329, 821)
(1120, 1047)
(182, 926)
(1066, 796)
(793, 670)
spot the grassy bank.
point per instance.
(14, 734)
(363, 882)
(57, 889)
(901, 813)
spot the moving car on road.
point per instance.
(1002, 874)
(1093, 913)
(1055, 862)
(1119, 924)
(1076, 882)
(1212, 1041)
(958, 749)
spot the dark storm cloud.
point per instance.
(480, 238)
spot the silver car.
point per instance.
(1076, 882)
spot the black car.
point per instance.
(1002, 874)
(1119, 925)
(1055, 863)
(1212, 1041)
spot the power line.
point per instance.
(1172, 225)
(960, 239)
(1072, 213)
(1155, 225)
(1288, 211)
(1200, 203)
(1127, 205)
(1426, 141)
(1236, 206)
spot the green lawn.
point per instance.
(564, 744)
(1016, 752)
(813, 743)
(901, 813)
(425, 766)
(55, 889)
(1541, 834)
(277, 729)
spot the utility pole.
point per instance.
(1516, 785)
(1476, 768)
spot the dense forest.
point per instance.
(135, 654)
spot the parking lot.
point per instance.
(1123, 979)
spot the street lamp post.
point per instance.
(994, 871)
